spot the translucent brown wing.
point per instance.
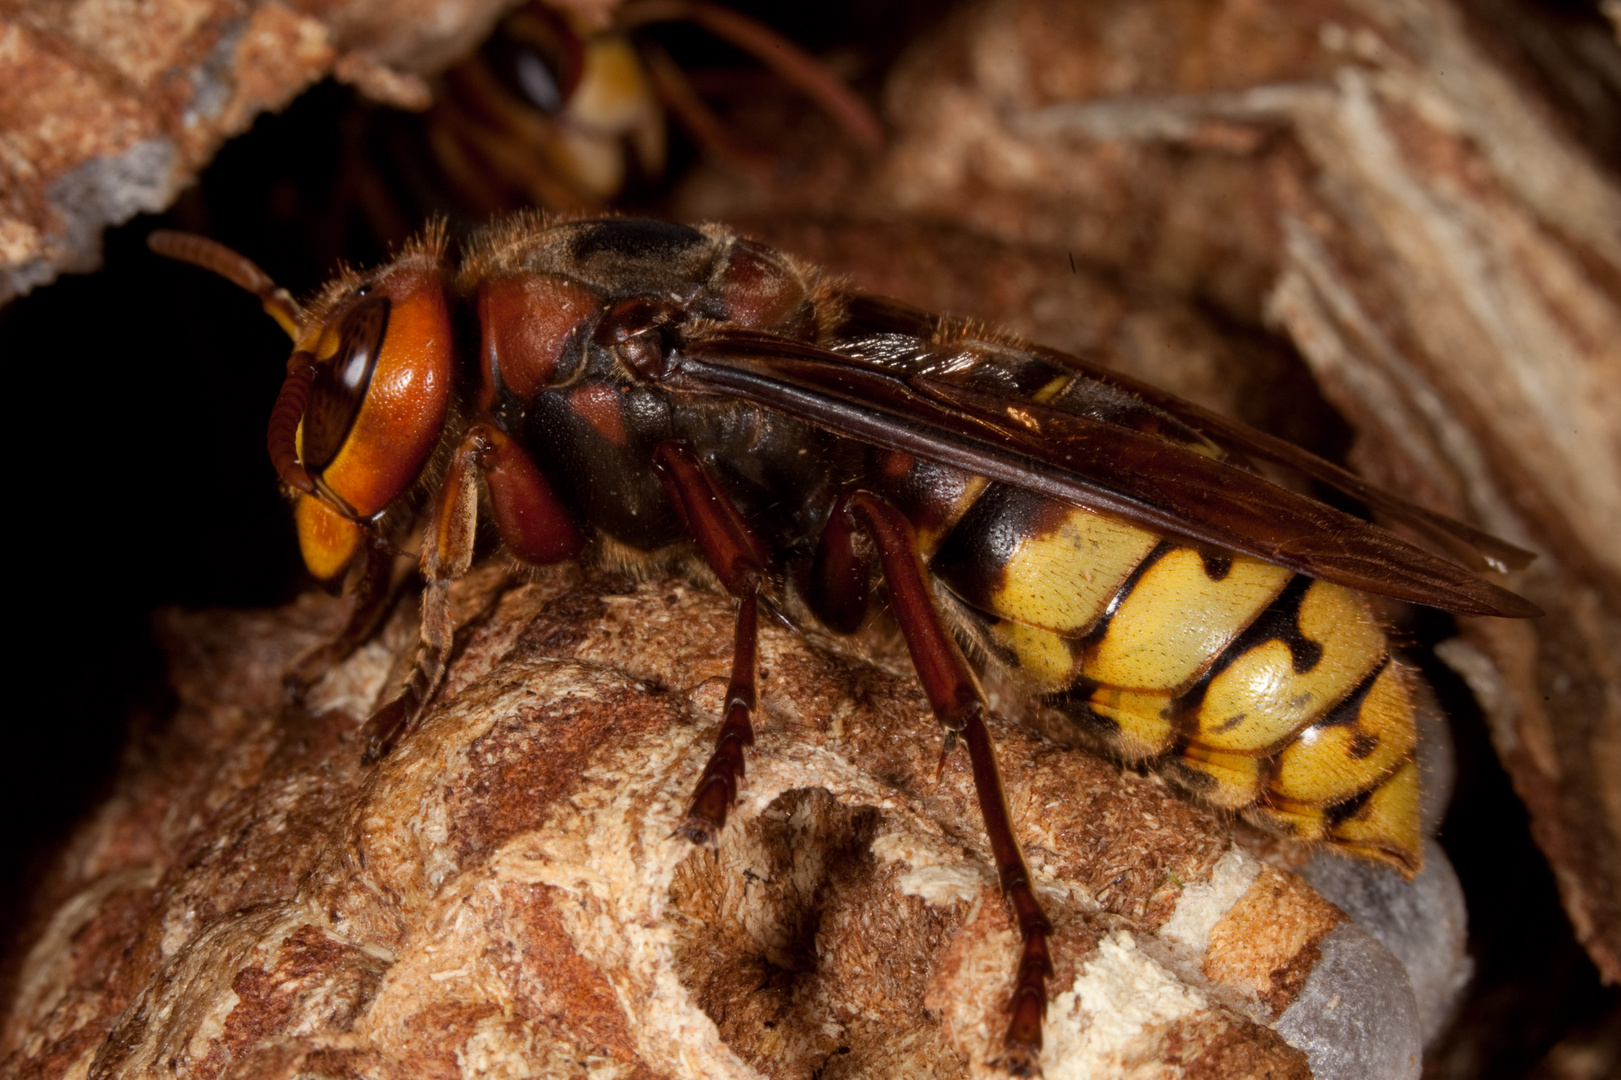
(1478, 549)
(1145, 479)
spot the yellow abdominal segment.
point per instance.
(1330, 762)
(1177, 619)
(1264, 696)
(1259, 691)
(1062, 580)
(1146, 722)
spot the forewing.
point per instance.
(1146, 480)
(1479, 549)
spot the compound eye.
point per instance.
(542, 85)
(539, 58)
(340, 382)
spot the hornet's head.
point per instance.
(367, 391)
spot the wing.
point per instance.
(1141, 478)
(1478, 549)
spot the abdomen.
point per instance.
(1256, 689)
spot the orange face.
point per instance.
(377, 400)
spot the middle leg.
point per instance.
(737, 557)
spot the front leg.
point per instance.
(535, 527)
(447, 552)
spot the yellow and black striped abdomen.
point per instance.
(1255, 689)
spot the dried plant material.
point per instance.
(379, 82)
(108, 108)
(1267, 942)
(503, 893)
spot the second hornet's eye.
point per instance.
(340, 382)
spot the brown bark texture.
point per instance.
(503, 895)
(110, 107)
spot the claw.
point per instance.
(384, 729)
(700, 832)
(706, 816)
(947, 745)
(306, 672)
(1021, 1061)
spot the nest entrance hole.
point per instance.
(797, 942)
